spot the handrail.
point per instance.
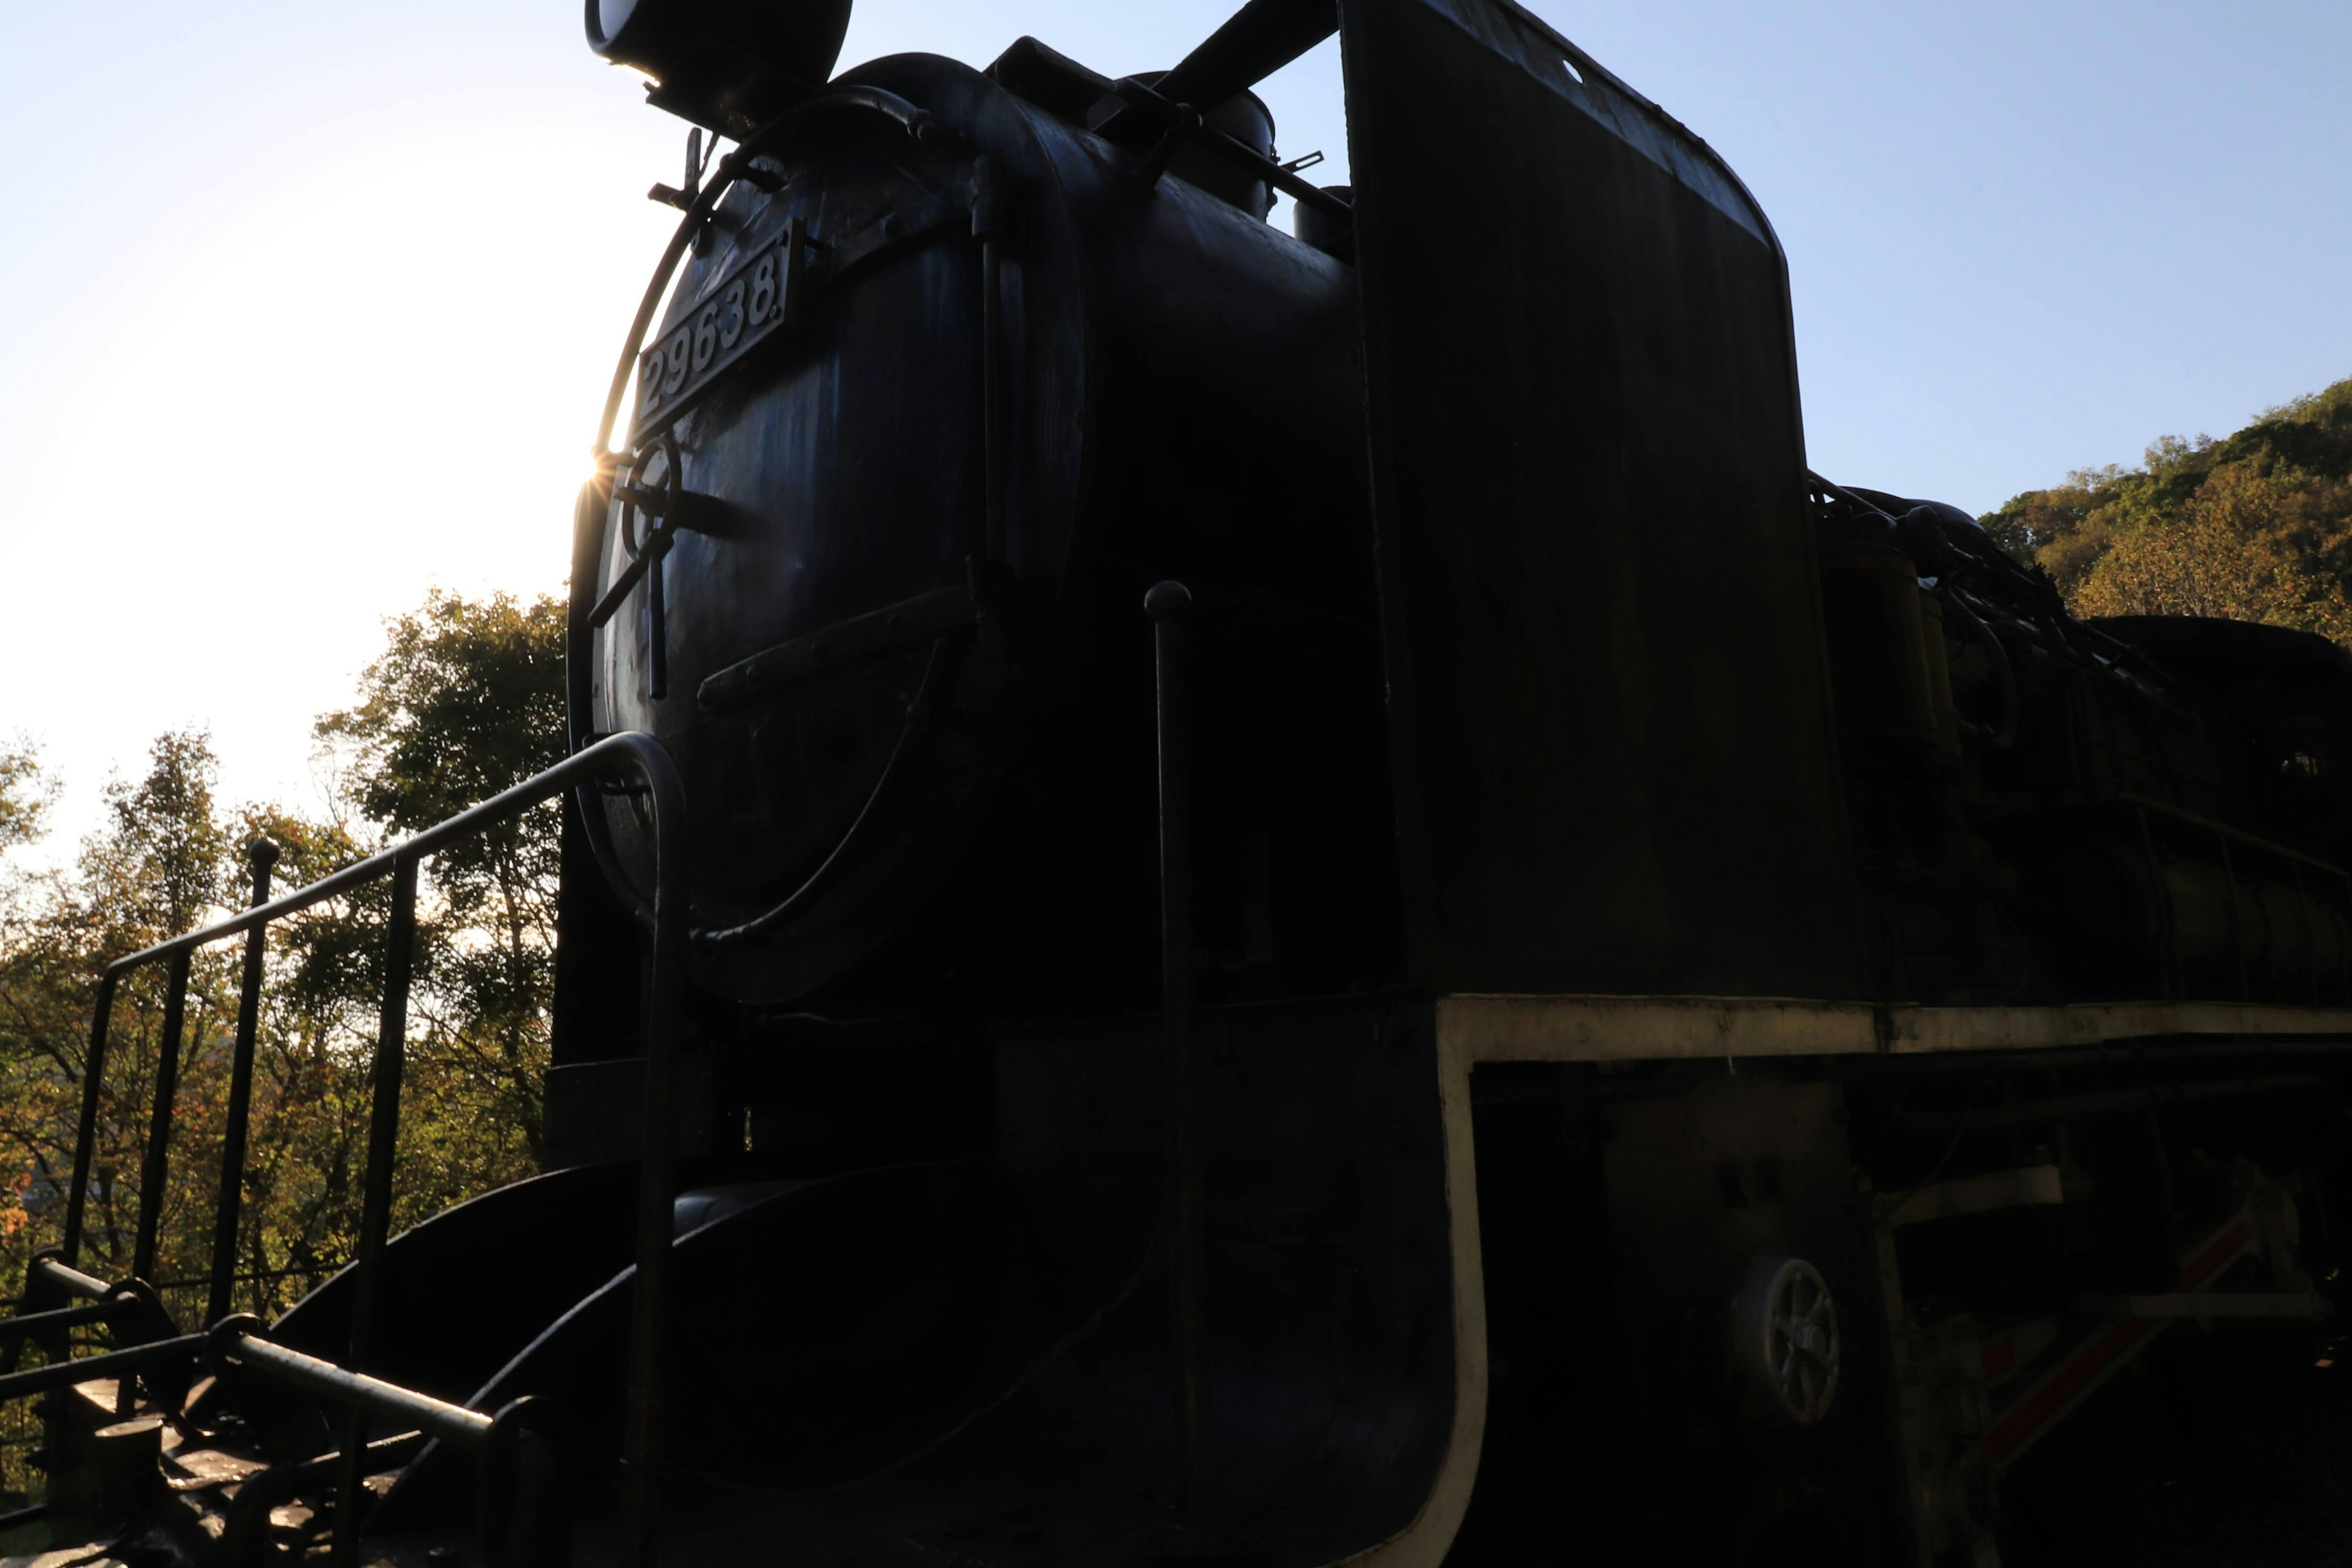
(238, 1342)
(69, 1280)
(176, 1352)
(664, 792)
(520, 1463)
(633, 749)
(48, 1286)
(59, 1319)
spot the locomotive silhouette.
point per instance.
(1293, 898)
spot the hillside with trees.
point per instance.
(2257, 527)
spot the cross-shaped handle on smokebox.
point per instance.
(663, 507)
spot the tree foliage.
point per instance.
(26, 793)
(467, 700)
(2257, 527)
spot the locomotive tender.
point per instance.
(1569, 989)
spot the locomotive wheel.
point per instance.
(1785, 1337)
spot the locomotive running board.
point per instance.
(1668, 1029)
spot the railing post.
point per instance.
(986, 210)
(263, 855)
(658, 1180)
(93, 1078)
(154, 1168)
(1167, 604)
(375, 1211)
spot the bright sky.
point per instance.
(313, 303)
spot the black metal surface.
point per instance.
(656, 1163)
(27, 1324)
(735, 1281)
(1334, 236)
(383, 1101)
(181, 1351)
(245, 1536)
(262, 855)
(730, 64)
(524, 1517)
(868, 231)
(923, 618)
(670, 508)
(40, 1296)
(237, 1341)
(523, 1253)
(988, 199)
(1051, 79)
(2127, 1101)
(154, 1165)
(375, 1205)
(993, 1337)
(918, 717)
(1177, 127)
(1113, 349)
(55, 1273)
(599, 965)
(1259, 39)
(518, 1523)
(1167, 603)
(736, 166)
(93, 1081)
(1597, 583)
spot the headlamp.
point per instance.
(730, 64)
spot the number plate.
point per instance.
(746, 307)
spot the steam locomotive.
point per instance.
(1334, 912)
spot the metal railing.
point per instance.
(57, 1280)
